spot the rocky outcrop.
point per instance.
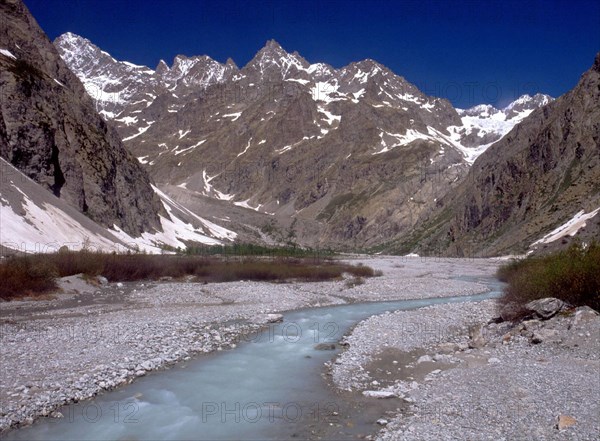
(50, 131)
(545, 308)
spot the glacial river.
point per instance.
(269, 387)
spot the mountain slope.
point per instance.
(359, 151)
(50, 131)
(536, 178)
(34, 220)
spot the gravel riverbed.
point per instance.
(465, 377)
(89, 339)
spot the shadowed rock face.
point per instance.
(537, 177)
(50, 131)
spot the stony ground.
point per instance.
(93, 338)
(467, 379)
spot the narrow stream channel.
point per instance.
(266, 388)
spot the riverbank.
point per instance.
(89, 339)
(464, 376)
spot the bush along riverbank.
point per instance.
(571, 276)
(36, 274)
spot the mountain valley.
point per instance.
(284, 151)
(346, 158)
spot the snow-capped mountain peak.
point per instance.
(484, 124)
(200, 71)
(481, 111)
(525, 104)
(366, 82)
(118, 85)
(321, 71)
(272, 61)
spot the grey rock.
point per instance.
(53, 134)
(531, 324)
(545, 335)
(565, 421)
(267, 318)
(448, 348)
(148, 365)
(424, 359)
(379, 394)
(583, 315)
(477, 339)
(545, 308)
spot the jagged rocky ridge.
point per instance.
(357, 153)
(50, 131)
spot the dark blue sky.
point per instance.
(467, 51)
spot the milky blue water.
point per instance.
(263, 389)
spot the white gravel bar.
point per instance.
(465, 377)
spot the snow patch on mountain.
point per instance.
(46, 228)
(246, 149)
(327, 91)
(7, 53)
(569, 228)
(140, 131)
(390, 141)
(34, 220)
(483, 125)
(233, 116)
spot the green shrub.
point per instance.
(572, 275)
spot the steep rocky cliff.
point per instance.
(49, 130)
(537, 177)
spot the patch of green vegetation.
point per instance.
(248, 249)
(354, 281)
(572, 275)
(419, 235)
(287, 237)
(568, 179)
(346, 200)
(269, 228)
